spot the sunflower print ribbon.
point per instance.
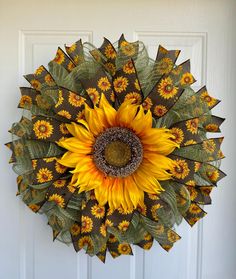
(114, 148)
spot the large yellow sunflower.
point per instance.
(118, 154)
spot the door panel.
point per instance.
(30, 33)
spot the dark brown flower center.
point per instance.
(117, 152)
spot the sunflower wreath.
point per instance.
(112, 147)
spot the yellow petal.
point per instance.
(96, 120)
(131, 189)
(158, 140)
(159, 174)
(84, 123)
(80, 133)
(126, 114)
(146, 182)
(142, 121)
(69, 159)
(159, 161)
(74, 145)
(84, 164)
(117, 192)
(88, 180)
(101, 194)
(109, 111)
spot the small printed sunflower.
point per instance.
(85, 241)
(124, 225)
(63, 129)
(208, 99)
(49, 80)
(36, 84)
(160, 229)
(166, 88)
(80, 116)
(120, 84)
(49, 159)
(147, 104)
(212, 127)
(58, 199)
(44, 175)
(60, 57)
(34, 164)
(154, 211)
(59, 183)
(186, 79)
(209, 146)
(39, 71)
(75, 229)
(103, 230)
(109, 223)
(128, 68)
(193, 193)
(192, 125)
(122, 211)
(112, 238)
(86, 224)
(124, 249)
(153, 197)
(71, 188)
(180, 170)
(164, 66)
(110, 52)
(191, 183)
(76, 100)
(98, 211)
(197, 166)
(25, 101)
(60, 99)
(104, 84)
(60, 168)
(177, 70)
(190, 142)
(142, 210)
(194, 209)
(206, 190)
(147, 236)
(213, 175)
(179, 135)
(94, 95)
(127, 48)
(193, 220)
(147, 246)
(135, 96)
(137, 85)
(172, 236)
(112, 97)
(71, 49)
(160, 110)
(70, 66)
(111, 68)
(64, 113)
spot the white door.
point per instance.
(204, 30)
